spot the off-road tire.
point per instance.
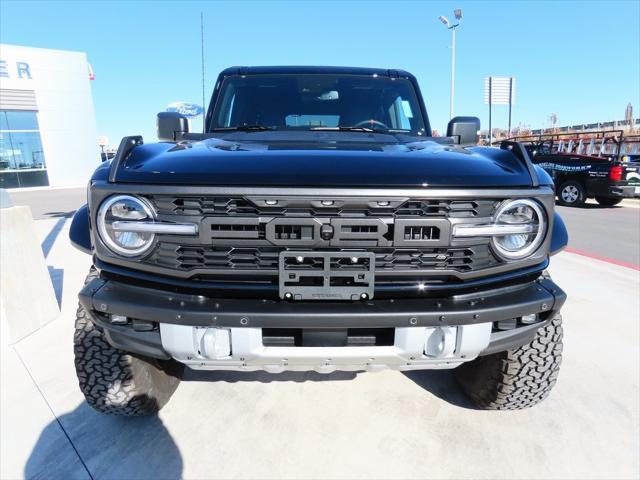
(608, 201)
(114, 381)
(575, 188)
(518, 378)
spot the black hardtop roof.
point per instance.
(302, 69)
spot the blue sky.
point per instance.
(577, 59)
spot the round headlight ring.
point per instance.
(106, 237)
(539, 235)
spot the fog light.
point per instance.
(528, 319)
(119, 319)
(142, 325)
(440, 342)
(508, 324)
(216, 343)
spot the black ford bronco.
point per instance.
(316, 224)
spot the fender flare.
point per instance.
(559, 235)
(80, 230)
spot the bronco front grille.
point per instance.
(247, 233)
(191, 257)
(244, 206)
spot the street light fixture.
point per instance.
(457, 13)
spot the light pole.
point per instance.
(458, 15)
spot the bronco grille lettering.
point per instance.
(324, 232)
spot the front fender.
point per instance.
(559, 235)
(80, 230)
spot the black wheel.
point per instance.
(518, 378)
(608, 201)
(116, 382)
(572, 194)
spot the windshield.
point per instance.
(318, 101)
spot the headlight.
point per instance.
(116, 225)
(524, 224)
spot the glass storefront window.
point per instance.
(21, 155)
(24, 149)
(19, 120)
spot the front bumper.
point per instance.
(184, 319)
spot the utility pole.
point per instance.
(458, 15)
(204, 107)
(453, 71)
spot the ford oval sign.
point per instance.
(190, 110)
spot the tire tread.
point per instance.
(112, 380)
(518, 378)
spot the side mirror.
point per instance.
(466, 129)
(172, 126)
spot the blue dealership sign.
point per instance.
(190, 110)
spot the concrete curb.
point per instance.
(27, 297)
(630, 203)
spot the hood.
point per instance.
(322, 159)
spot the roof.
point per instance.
(302, 69)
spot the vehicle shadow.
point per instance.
(592, 206)
(57, 279)
(52, 236)
(88, 444)
(442, 384)
(439, 383)
(55, 274)
(68, 214)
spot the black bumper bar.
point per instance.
(110, 297)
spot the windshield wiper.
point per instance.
(244, 128)
(350, 129)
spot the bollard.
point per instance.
(27, 298)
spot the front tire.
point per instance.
(518, 378)
(608, 201)
(116, 382)
(572, 194)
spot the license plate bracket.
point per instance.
(314, 275)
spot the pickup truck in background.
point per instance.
(583, 168)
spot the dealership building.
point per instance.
(47, 120)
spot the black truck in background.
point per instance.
(590, 165)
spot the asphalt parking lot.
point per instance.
(344, 425)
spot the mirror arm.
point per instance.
(127, 144)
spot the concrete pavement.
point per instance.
(344, 425)
(50, 202)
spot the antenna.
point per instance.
(204, 110)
